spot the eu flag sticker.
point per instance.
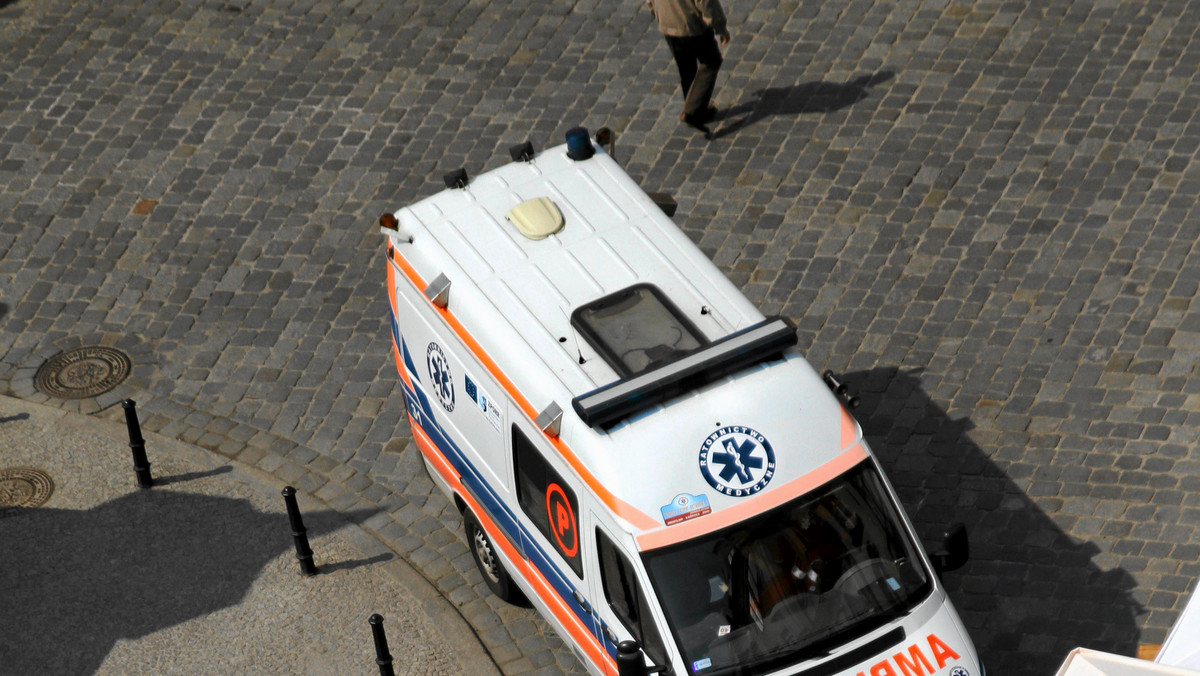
(472, 390)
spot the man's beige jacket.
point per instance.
(682, 18)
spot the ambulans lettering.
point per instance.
(737, 461)
(440, 377)
(915, 664)
(941, 652)
(915, 661)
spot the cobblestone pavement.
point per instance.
(983, 212)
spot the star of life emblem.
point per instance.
(737, 461)
(441, 381)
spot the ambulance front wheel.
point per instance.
(486, 558)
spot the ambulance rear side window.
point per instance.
(637, 329)
(547, 500)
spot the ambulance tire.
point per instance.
(488, 562)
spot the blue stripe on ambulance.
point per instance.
(482, 491)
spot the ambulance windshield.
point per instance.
(793, 583)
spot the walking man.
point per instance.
(691, 28)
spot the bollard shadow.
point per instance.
(13, 418)
(810, 97)
(192, 476)
(75, 582)
(1030, 593)
(3, 306)
(354, 563)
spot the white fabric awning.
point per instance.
(1182, 647)
(1084, 662)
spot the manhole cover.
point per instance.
(22, 488)
(83, 372)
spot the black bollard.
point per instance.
(382, 657)
(299, 535)
(141, 466)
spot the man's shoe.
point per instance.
(706, 115)
(697, 122)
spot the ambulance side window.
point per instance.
(625, 597)
(547, 500)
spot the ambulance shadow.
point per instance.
(810, 97)
(1030, 593)
(75, 582)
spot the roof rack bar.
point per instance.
(608, 405)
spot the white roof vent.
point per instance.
(536, 218)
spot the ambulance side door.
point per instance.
(453, 393)
(550, 501)
(624, 602)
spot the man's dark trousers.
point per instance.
(698, 59)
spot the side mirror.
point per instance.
(956, 549)
(632, 662)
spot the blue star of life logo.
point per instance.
(959, 671)
(441, 380)
(737, 461)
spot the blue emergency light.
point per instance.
(579, 145)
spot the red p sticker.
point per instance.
(562, 520)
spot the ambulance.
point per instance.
(639, 452)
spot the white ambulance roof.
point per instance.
(514, 295)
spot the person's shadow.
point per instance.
(74, 582)
(810, 97)
(1030, 593)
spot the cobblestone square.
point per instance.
(982, 213)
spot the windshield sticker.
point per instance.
(701, 664)
(891, 581)
(439, 376)
(684, 507)
(723, 629)
(489, 406)
(737, 461)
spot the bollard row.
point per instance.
(304, 553)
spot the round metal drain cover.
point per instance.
(83, 372)
(22, 488)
